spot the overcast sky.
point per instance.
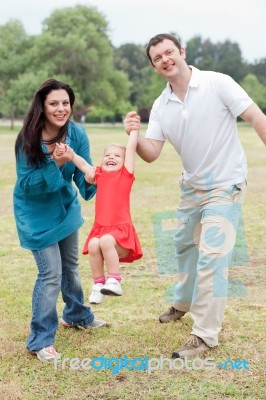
(136, 21)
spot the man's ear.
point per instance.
(183, 52)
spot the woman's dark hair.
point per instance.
(29, 139)
(158, 39)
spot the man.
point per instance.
(197, 114)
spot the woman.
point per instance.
(48, 213)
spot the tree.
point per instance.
(131, 58)
(154, 84)
(255, 89)
(20, 91)
(13, 43)
(73, 47)
(222, 57)
(259, 69)
(75, 44)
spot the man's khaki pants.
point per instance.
(206, 234)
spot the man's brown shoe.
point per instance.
(172, 314)
(193, 347)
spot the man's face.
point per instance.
(167, 59)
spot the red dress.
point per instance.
(112, 211)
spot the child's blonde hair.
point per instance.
(114, 145)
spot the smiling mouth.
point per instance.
(169, 66)
(112, 163)
(60, 116)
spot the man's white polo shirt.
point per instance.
(203, 128)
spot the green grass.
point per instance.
(134, 329)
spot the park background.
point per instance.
(74, 46)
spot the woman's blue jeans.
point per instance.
(57, 269)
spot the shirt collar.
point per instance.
(194, 82)
(195, 77)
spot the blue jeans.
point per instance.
(57, 269)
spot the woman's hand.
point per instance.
(62, 154)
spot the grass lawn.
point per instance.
(134, 329)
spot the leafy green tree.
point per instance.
(73, 47)
(145, 84)
(16, 100)
(222, 57)
(131, 58)
(153, 88)
(229, 60)
(13, 43)
(75, 44)
(255, 89)
(115, 103)
(259, 69)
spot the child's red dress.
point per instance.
(112, 211)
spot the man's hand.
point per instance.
(132, 122)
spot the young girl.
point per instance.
(113, 238)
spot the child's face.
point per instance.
(113, 158)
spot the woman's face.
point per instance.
(57, 109)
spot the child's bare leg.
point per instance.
(97, 270)
(111, 252)
(96, 258)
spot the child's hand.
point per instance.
(60, 148)
(134, 132)
(90, 175)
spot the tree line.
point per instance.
(74, 46)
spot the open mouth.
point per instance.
(110, 163)
(60, 117)
(169, 66)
